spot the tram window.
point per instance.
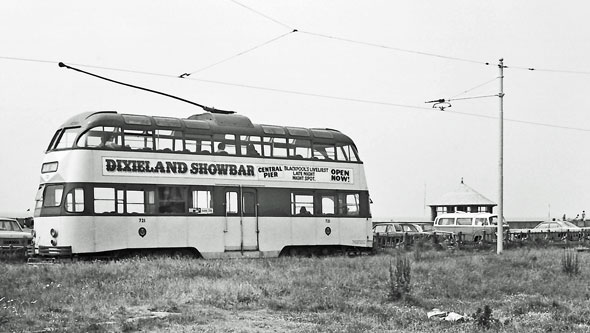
(201, 203)
(101, 136)
(104, 200)
(200, 144)
(172, 199)
(151, 202)
(67, 138)
(75, 201)
(324, 151)
(301, 204)
(346, 153)
(275, 147)
(250, 145)
(167, 141)
(138, 139)
(39, 200)
(225, 144)
(231, 202)
(299, 148)
(348, 204)
(53, 194)
(328, 205)
(135, 202)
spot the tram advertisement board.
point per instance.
(112, 166)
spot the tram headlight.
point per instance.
(54, 242)
(49, 167)
(53, 233)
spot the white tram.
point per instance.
(213, 183)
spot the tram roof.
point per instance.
(205, 122)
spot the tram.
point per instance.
(214, 184)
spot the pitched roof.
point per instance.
(462, 195)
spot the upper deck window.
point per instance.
(168, 141)
(324, 151)
(295, 131)
(250, 145)
(168, 122)
(136, 120)
(300, 148)
(273, 130)
(101, 136)
(200, 144)
(66, 138)
(322, 134)
(225, 144)
(138, 139)
(346, 153)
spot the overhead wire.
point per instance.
(302, 93)
(262, 14)
(237, 54)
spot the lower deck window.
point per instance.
(301, 204)
(75, 201)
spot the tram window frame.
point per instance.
(131, 195)
(104, 196)
(255, 141)
(52, 195)
(138, 139)
(346, 153)
(177, 200)
(166, 140)
(101, 137)
(348, 207)
(231, 201)
(198, 143)
(275, 147)
(301, 200)
(229, 143)
(326, 155)
(67, 138)
(300, 148)
(324, 200)
(201, 201)
(75, 200)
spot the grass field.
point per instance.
(526, 290)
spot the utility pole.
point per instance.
(500, 233)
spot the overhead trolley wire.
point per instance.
(262, 14)
(237, 54)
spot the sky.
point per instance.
(365, 68)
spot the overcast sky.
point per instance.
(363, 67)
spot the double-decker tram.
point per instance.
(214, 184)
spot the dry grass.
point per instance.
(525, 289)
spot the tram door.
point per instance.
(241, 219)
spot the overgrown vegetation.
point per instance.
(400, 278)
(570, 263)
(526, 289)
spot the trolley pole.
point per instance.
(500, 233)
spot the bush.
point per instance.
(483, 319)
(399, 278)
(569, 262)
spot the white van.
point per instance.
(472, 225)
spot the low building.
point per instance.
(462, 199)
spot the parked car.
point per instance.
(400, 228)
(553, 230)
(12, 235)
(472, 226)
(555, 226)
